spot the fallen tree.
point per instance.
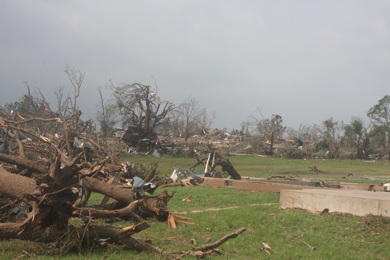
(47, 180)
(49, 172)
(213, 160)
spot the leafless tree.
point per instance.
(141, 107)
(304, 132)
(315, 133)
(246, 127)
(189, 115)
(33, 103)
(291, 133)
(206, 120)
(106, 115)
(311, 133)
(67, 104)
(63, 102)
(76, 77)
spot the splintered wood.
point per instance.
(208, 249)
(324, 184)
(311, 247)
(264, 248)
(172, 221)
(136, 228)
(188, 199)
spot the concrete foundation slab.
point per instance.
(252, 185)
(359, 186)
(303, 183)
(277, 186)
(354, 202)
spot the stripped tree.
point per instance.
(142, 110)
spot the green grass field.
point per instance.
(288, 232)
(259, 167)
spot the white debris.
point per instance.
(174, 176)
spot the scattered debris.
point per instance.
(326, 210)
(48, 177)
(325, 184)
(169, 238)
(172, 221)
(311, 247)
(193, 241)
(208, 249)
(188, 199)
(264, 248)
(212, 161)
(26, 253)
(174, 176)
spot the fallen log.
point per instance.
(15, 186)
(101, 213)
(122, 195)
(155, 207)
(24, 162)
(59, 174)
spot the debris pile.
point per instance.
(212, 161)
(50, 166)
(191, 178)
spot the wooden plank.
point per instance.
(171, 221)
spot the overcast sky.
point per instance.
(304, 60)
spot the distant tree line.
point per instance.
(136, 105)
(358, 139)
(140, 106)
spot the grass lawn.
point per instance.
(290, 233)
(259, 167)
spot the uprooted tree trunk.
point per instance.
(56, 186)
(154, 206)
(227, 166)
(50, 210)
(56, 207)
(51, 173)
(17, 186)
(14, 185)
(213, 161)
